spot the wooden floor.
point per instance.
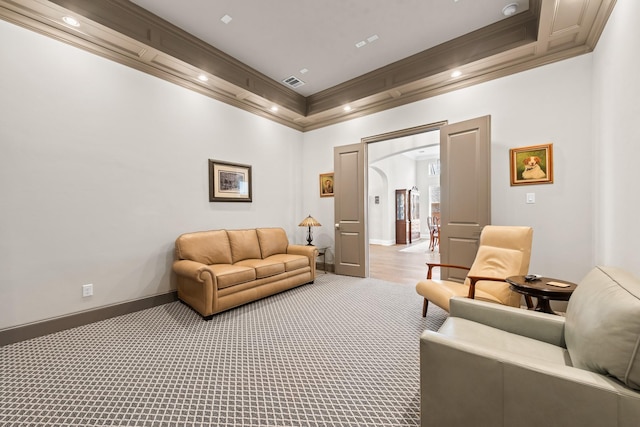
(392, 264)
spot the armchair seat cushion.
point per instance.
(440, 292)
(603, 325)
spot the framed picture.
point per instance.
(326, 184)
(229, 182)
(532, 165)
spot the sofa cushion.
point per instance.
(206, 247)
(264, 267)
(229, 275)
(244, 245)
(602, 329)
(291, 262)
(272, 241)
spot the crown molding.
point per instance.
(550, 31)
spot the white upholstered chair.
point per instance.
(503, 251)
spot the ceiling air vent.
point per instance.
(293, 82)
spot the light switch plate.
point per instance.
(531, 197)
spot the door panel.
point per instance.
(465, 152)
(350, 238)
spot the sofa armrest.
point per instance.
(192, 270)
(539, 326)
(310, 252)
(470, 384)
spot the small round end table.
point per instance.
(542, 290)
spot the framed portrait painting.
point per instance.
(532, 165)
(229, 182)
(326, 184)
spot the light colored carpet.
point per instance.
(340, 352)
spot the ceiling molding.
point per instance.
(550, 31)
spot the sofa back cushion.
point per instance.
(602, 328)
(244, 244)
(272, 241)
(207, 247)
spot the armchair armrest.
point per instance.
(432, 265)
(464, 383)
(539, 326)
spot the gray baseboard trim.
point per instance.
(33, 330)
(324, 268)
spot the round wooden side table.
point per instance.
(543, 289)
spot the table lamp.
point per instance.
(309, 222)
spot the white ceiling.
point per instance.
(280, 38)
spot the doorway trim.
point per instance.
(403, 132)
(380, 138)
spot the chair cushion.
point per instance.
(602, 329)
(244, 245)
(206, 247)
(272, 241)
(499, 263)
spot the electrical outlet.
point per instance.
(87, 290)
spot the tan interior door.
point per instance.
(351, 251)
(465, 191)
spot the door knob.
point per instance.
(337, 226)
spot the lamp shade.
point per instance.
(309, 222)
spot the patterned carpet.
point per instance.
(340, 352)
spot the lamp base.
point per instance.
(309, 237)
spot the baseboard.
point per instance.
(33, 330)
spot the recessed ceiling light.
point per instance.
(304, 71)
(360, 44)
(347, 108)
(203, 78)
(373, 38)
(274, 108)
(226, 19)
(71, 21)
(510, 9)
(456, 73)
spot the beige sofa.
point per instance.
(493, 365)
(221, 269)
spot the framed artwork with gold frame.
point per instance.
(532, 165)
(326, 184)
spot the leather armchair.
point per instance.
(493, 365)
(503, 251)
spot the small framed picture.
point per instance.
(532, 165)
(326, 184)
(229, 182)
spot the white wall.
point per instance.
(102, 167)
(399, 172)
(616, 113)
(547, 104)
